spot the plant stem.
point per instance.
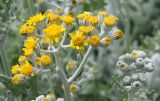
(50, 83)
(34, 86)
(81, 66)
(63, 77)
(5, 62)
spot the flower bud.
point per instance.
(141, 77)
(132, 66)
(106, 41)
(122, 65)
(126, 57)
(127, 80)
(147, 60)
(40, 98)
(139, 62)
(149, 67)
(51, 97)
(136, 84)
(60, 99)
(74, 88)
(134, 77)
(128, 88)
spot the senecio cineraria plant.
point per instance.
(48, 35)
(134, 67)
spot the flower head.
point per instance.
(73, 88)
(70, 65)
(51, 16)
(67, 19)
(78, 41)
(17, 79)
(21, 59)
(83, 15)
(86, 29)
(106, 41)
(102, 13)
(118, 34)
(94, 40)
(26, 29)
(35, 19)
(15, 69)
(110, 20)
(38, 60)
(27, 51)
(45, 59)
(91, 19)
(30, 42)
(54, 32)
(27, 69)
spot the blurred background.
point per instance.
(139, 20)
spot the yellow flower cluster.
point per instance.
(48, 32)
(21, 71)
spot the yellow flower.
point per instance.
(106, 41)
(27, 69)
(73, 88)
(135, 54)
(40, 1)
(83, 15)
(30, 42)
(27, 51)
(21, 59)
(26, 29)
(86, 29)
(45, 99)
(45, 41)
(70, 65)
(102, 13)
(118, 34)
(15, 69)
(51, 97)
(38, 60)
(58, 10)
(78, 41)
(17, 79)
(94, 40)
(67, 19)
(110, 20)
(46, 59)
(35, 19)
(54, 32)
(91, 19)
(51, 16)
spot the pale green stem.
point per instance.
(5, 62)
(63, 77)
(50, 83)
(81, 66)
(64, 37)
(30, 4)
(129, 96)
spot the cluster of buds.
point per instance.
(49, 97)
(134, 66)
